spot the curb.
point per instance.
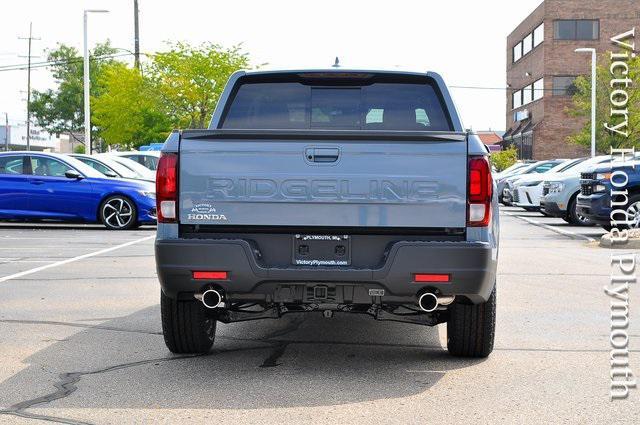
(632, 243)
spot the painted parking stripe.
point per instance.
(74, 259)
(553, 229)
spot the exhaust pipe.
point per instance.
(210, 298)
(429, 302)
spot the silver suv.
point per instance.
(560, 191)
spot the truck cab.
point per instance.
(328, 191)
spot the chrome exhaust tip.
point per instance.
(210, 298)
(428, 302)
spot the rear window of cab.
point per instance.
(395, 106)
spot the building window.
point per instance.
(587, 30)
(517, 99)
(572, 29)
(538, 89)
(564, 86)
(538, 35)
(527, 44)
(517, 52)
(530, 41)
(527, 94)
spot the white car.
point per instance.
(148, 159)
(132, 165)
(112, 168)
(527, 190)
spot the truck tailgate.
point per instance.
(333, 180)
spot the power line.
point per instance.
(45, 64)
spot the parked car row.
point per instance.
(576, 190)
(115, 189)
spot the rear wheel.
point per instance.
(118, 213)
(471, 328)
(186, 327)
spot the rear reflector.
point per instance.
(210, 275)
(430, 277)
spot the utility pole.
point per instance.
(136, 36)
(30, 38)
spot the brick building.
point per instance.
(541, 66)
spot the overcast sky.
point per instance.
(464, 40)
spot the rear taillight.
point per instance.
(167, 187)
(480, 190)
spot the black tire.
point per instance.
(186, 327)
(471, 328)
(575, 218)
(118, 212)
(531, 209)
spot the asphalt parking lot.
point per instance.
(81, 343)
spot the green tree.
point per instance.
(581, 107)
(504, 159)
(129, 112)
(191, 79)
(60, 110)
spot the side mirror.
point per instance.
(110, 173)
(73, 174)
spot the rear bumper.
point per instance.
(472, 266)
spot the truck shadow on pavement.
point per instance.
(299, 360)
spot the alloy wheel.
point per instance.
(117, 213)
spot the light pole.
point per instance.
(593, 95)
(87, 106)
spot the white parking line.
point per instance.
(553, 229)
(71, 260)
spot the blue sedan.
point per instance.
(41, 186)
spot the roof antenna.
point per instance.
(336, 64)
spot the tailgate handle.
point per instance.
(322, 154)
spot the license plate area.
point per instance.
(322, 250)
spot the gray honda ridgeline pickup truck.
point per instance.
(328, 191)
